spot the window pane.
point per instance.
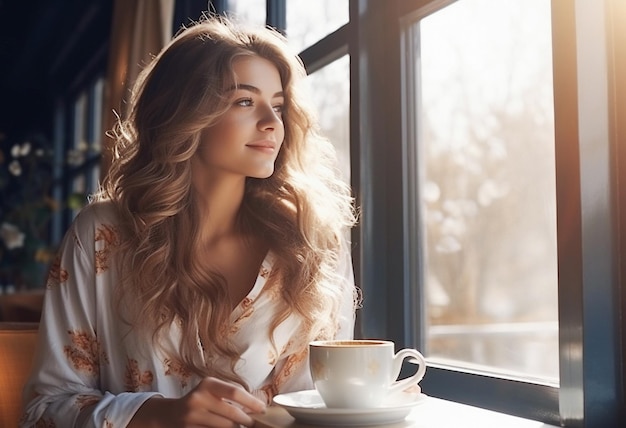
(485, 146)
(249, 11)
(329, 89)
(75, 155)
(80, 137)
(310, 21)
(95, 139)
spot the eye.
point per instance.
(278, 108)
(244, 102)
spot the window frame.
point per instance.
(66, 140)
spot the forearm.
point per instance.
(66, 410)
(151, 414)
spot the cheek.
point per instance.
(281, 132)
(218, 132)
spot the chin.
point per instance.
(262, 175)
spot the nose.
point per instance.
(269, 119)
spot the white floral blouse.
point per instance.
(88, 355)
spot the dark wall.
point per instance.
(46, 48)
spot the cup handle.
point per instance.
(398, 359)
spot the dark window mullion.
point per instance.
(327, 50)
(376, 111)
(276, 14)
(589, 314)
(186, 11)
(371, 267)
(511, 396)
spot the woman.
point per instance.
(186, 292)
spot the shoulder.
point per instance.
(94, 217)
(89, 239)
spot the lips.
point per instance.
(266, 146)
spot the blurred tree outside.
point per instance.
(488, 191)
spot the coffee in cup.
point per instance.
(360, 373)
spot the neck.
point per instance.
(218, 206)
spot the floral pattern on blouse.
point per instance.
(271, 356)
(85, 354)
(106, 238)
(248, 310)
(290, 367)
(175, 368)
(269, 391)
(134, 379)
(57, 275)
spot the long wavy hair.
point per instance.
(301, 212)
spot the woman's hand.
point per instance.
(212, 403)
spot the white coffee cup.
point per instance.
(360, 373)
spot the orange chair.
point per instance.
(17, 347)
(24, 306)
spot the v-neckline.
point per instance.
(259, 284)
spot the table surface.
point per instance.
(432, 413)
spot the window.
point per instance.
(79, 146)
(308, 22)
(330, 91)
(252, 11)
(78, 142)
(483, 147)
(86, 144)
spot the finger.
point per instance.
(218, 418)
(233, 394)
(222, 414)
(234, 412)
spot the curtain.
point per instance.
(140, 29)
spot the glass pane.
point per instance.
(329, 89)
(79, 144)
(95, 139)
(250, 11)
(310, 21)
(78, 195)
(80, 121)
(485, 130)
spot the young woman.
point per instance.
(187, 291)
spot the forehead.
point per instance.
(258, 72)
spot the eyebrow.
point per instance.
(253, 89)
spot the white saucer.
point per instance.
(308, 407)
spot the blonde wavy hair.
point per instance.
(301, 212)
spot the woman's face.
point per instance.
(245, 140)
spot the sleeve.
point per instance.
(64, 387)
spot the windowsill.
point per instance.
(433, 413)
(438, 413)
